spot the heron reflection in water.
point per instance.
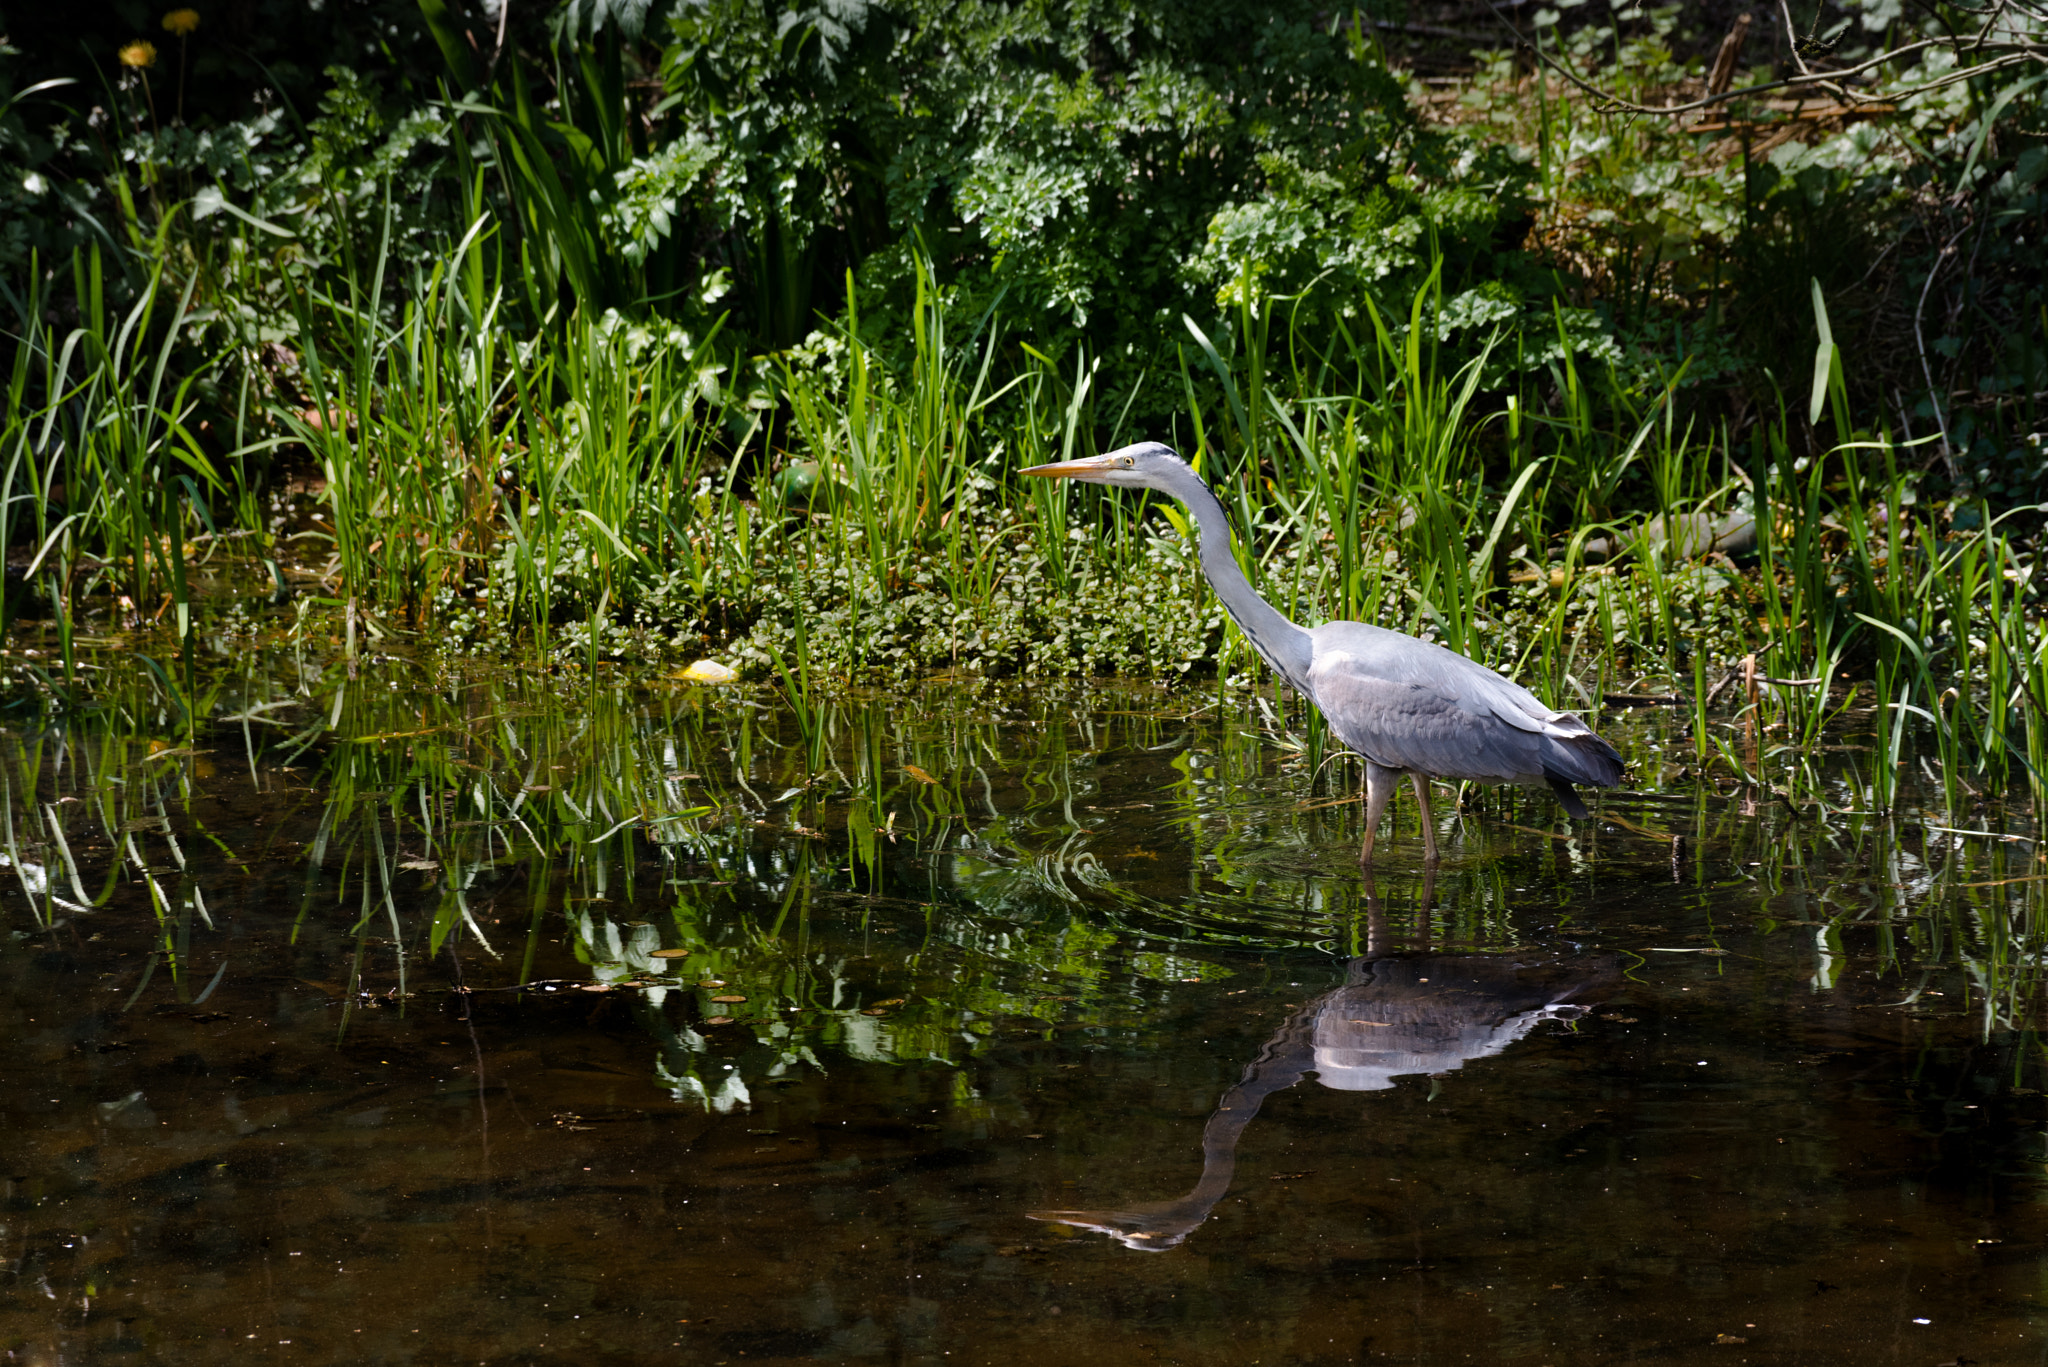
(1400, 1012)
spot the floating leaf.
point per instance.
(706, 672)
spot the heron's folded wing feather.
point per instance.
(1410, 723)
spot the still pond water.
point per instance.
(386, 1019)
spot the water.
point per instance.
(396, 1018)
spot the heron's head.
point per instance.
(1143, 466)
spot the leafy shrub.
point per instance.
(1087, 176)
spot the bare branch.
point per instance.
(2028, 54)
(1792, 38)
(2005, 54)
(1990, 24)
(1920, 341)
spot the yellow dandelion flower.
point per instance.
(181, 21)
(139, 53)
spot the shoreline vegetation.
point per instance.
(655, 354)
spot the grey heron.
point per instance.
(1408, 706)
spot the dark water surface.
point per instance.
(519, 1022)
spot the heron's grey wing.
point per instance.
(1408, 723)
(1409, 704)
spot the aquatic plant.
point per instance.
(703, 855)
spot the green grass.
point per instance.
(606, 492)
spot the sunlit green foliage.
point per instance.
(723, 335)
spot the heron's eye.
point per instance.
(1127, 462)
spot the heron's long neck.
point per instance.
(1279, 642)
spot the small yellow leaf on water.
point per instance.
(920, 775)
(718, 1020)
(706, 672)
(670, 954)
(728, 998)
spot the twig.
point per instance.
(1792, 37)
(1990, 24)
(1948, 457)
(498, 47)
(2008, 54)
(1988, 835)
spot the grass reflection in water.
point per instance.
(1007, 857)
(516, 959)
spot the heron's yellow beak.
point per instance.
(1094, 468)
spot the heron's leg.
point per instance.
(1421, 786)
(1380, 784)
